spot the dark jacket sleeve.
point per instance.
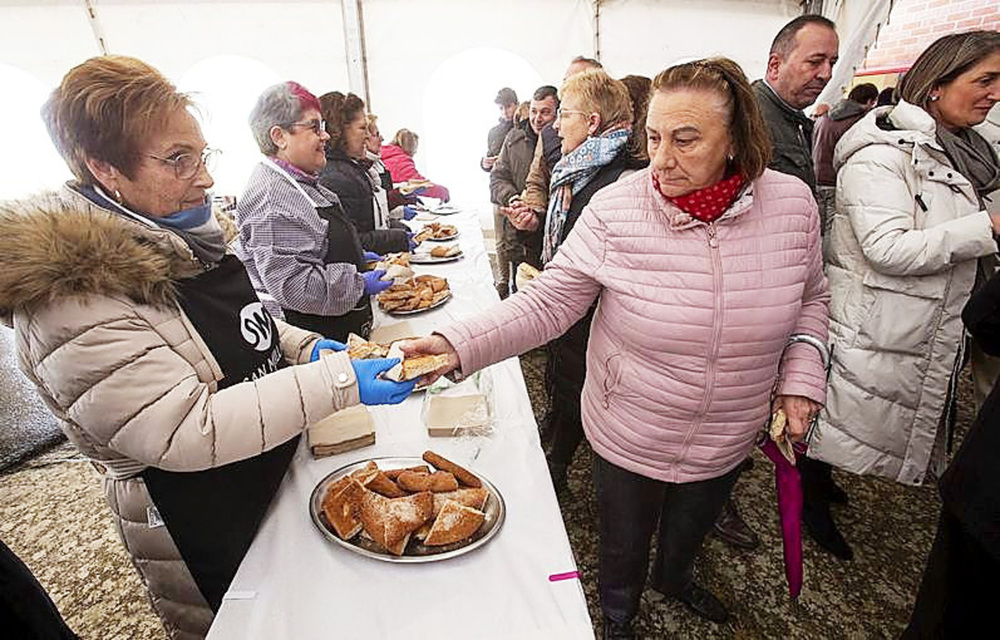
(357, 200)
(502, 178)
(982, 316)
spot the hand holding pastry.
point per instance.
(430, 346)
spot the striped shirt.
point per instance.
(283, 243)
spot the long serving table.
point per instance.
(295, 584)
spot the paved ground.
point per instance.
(52, 514)
(26, 426)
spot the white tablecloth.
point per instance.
(294, 583)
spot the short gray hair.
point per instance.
(279, 105)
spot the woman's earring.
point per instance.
(935, 98)
(118, 196)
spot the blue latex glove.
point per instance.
(409, 213)
(323, 343)
(409, 240)
(373, 282)
(375, 390)
(371, 256)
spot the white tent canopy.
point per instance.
(432, 66)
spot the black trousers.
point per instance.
(629, 506)
(960, 588)
(26, 611)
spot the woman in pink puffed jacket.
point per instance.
(704, 265)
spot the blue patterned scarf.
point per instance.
(571, 174)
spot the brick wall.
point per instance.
(914, 24)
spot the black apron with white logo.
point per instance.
(342, 245)
(213, 515)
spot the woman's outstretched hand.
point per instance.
(431, 346)
(800, 412)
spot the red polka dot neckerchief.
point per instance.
(709, 203)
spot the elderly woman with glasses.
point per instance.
(144, 336)
(303, 253)
(594, 121)
(702, 267)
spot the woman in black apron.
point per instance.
(302, 252)
(149, 342)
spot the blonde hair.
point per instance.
(105, 109)
(600, 93)
(372, 120)
(406, 140)
(751, 141)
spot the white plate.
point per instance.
(416, 552)
(445, 210)
(412, 312)
(427, 258)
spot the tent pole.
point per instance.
(597, 30)
(95, 26)
(354, 42)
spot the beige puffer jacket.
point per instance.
(901, 259)
(90, 295)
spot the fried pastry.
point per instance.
(342, 508)
(439, 481)
(455, 522)
(464, 476)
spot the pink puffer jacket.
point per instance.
(402, 168)
(691, 326)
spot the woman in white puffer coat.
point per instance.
(902, 259)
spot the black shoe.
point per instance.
(703, 603)
(617, 630)
(730, 527)
(821, 528)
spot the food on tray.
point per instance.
(435, 231)
(446, 251)
(455, 522)
(342, 508)
(464, 476)
(437, 482)
(415, 293)
(395, 265)
(428, 506)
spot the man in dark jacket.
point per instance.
(507, 101)
(829, 129)
(510, 172)
(798, 68)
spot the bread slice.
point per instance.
(342, 508)
(389, 521)
(455, 522)
(446, 251)
(415, 367)
(475, 498)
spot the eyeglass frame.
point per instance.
(560, 111)
(317, 126)
(206, 157)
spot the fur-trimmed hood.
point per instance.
(60, 244)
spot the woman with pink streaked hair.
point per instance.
(302, 252)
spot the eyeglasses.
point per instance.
(317, 126)
(562, 113)
(186, 165)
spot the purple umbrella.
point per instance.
(788, 484)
